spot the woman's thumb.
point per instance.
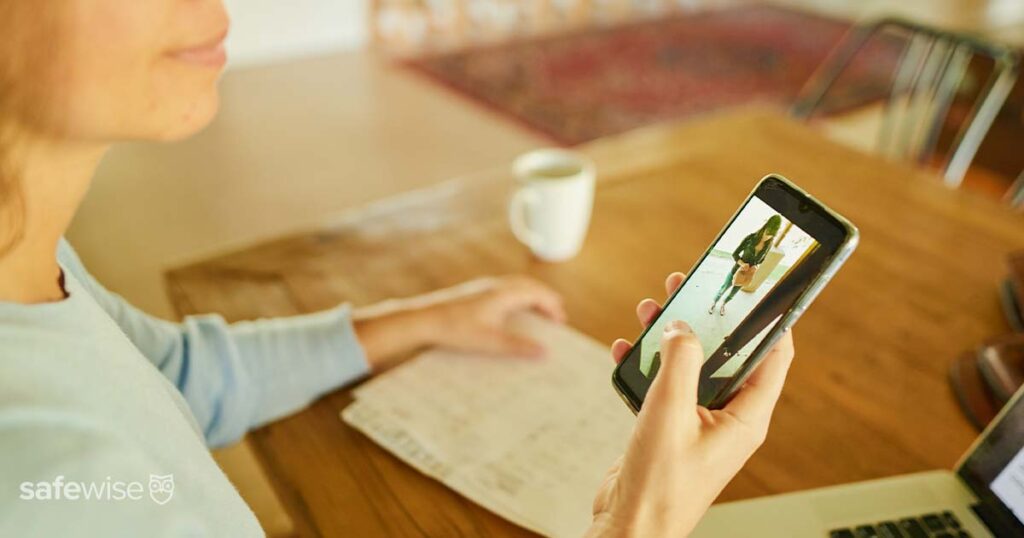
(675, 385)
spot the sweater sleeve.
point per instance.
(739, 250)
(236, 376)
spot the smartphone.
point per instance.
(759, 275)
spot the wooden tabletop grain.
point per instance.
(867, 396)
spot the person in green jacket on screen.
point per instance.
(749, 254)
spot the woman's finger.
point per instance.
(526, 293)
(756, 400)
(673, 282)
(646, 311)
(619, 349)
(500, 342)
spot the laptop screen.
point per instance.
(995, 468)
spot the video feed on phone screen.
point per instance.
(728, 299)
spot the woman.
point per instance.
(746, 258)
(93, 391)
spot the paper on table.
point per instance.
(530, 440)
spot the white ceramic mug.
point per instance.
(550, 210)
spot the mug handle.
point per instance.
(517, 218)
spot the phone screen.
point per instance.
(772, 250)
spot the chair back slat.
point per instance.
(923, 100)
(947, 85)
(838, 59)
(912, 97)
(1015, 194)
(979, 120)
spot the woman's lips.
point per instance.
(211, 54)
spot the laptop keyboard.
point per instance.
(944, 525)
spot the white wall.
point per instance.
(266, 31)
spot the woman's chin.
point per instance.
(190, 121)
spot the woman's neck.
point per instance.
(54, 178)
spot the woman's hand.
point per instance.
(471, 316)
(682, 455)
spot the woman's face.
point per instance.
(115, 69)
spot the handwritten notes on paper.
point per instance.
(529, 439)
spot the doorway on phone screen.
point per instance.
(721, 299)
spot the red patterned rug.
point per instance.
(582, 86)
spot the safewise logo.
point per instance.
(160, 490)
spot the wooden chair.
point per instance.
(934, 70)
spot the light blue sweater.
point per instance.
(98, 399)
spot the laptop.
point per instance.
(982, 497)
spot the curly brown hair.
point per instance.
(21, 58)
(12, 205)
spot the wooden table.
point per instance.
(867, 396)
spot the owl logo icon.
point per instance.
(161, 488)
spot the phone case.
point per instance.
(789, 318)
